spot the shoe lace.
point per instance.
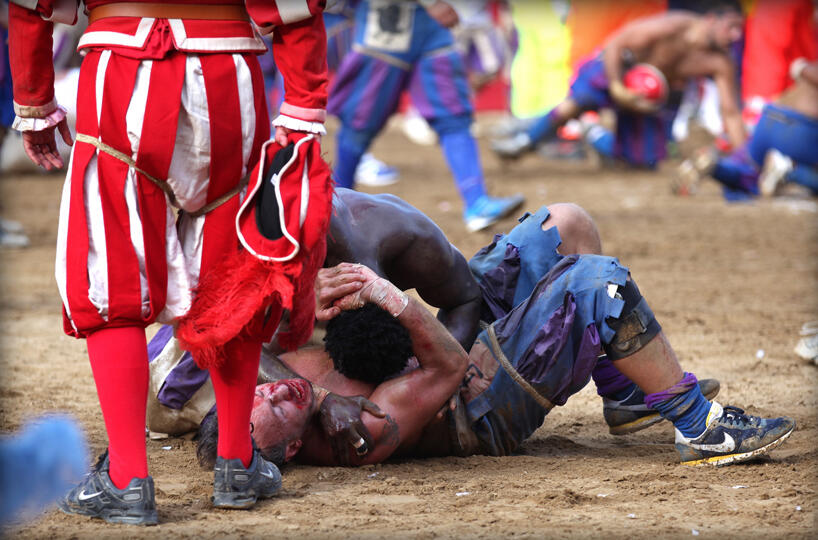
(735, 416)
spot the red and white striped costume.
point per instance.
(184, 99)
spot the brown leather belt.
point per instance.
(159, 10)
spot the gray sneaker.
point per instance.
(631, 414)
(97, 497)
(237, 487)
(513, 146)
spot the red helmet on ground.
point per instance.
(647, 81)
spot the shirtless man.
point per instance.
(781, 149)
(682, 45)
(402, 244)
(586, 300)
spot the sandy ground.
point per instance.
(730, 283)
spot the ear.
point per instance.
(292, 449)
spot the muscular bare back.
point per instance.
(672, 43)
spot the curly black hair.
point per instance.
(368, 344)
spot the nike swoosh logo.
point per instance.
(85, 496)
(271, 476)
(727, 445)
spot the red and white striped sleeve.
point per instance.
(30, 57)
(300, 51)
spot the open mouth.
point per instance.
(298, 390)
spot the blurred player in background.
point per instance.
(681, 46)
(38, 465)
(783, 147)
(408, 45)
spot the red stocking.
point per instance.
(119, 361)
(234, 382)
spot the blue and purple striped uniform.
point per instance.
(397, 47)
(640, 139)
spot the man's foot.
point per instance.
(513, 146)
(418, 130)
(488, 210)
(374, 172)
(237, 487)
(774, 172)
(630, 415)
(732, 436)
(97, 497)
(9, 225)
(690, 172)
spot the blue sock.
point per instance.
(684, 405)
(806, 176)
(601, 139)
(463, 157)
(544, 127)
(351, 145)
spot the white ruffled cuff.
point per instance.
(40, 124)
(296, 124)
(797, 66)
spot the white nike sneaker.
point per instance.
(732, 436)
(373, 172)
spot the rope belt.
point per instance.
(160, 10)
(524, 384)
(161, 184)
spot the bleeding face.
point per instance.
(280, 411)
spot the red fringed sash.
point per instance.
(244, 296)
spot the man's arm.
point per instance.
(638, 35)
(32, 69)
(724, 76)
(451, 287)
(442, 12)
(300, 50)
(412, 400)
(439, 273)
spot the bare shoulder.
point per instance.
(655, 27)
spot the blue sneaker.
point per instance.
(732, 436)
(630, 415)
(488, 210)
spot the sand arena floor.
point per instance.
(731, 284)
